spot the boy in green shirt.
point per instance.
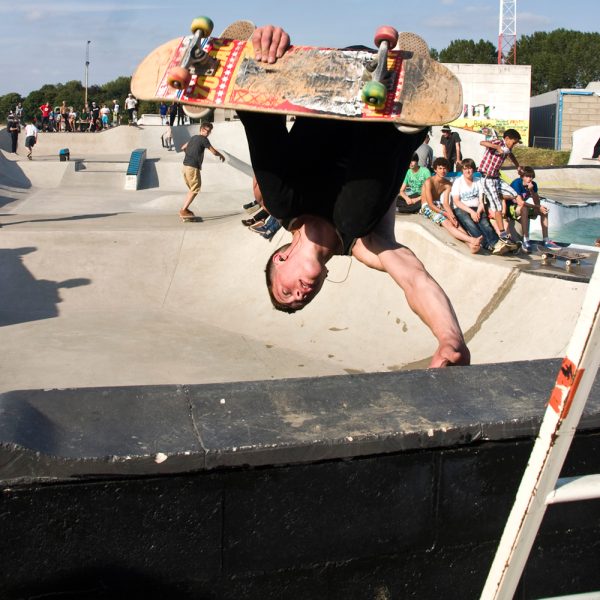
(409, 200)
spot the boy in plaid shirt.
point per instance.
(497, 151)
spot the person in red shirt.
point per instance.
(45, 108)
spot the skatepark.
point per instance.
(167, 433)
(106, 286)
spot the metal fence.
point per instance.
(540, 141)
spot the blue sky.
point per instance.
(45, 42)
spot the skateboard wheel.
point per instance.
(544, 256)
(568, 263)
(374, 94)
(387, 34)
(202, 24)
(179, 78)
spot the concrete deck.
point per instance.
(100, 286)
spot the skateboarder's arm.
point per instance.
(270, 43)
(379, 250)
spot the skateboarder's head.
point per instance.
(292, 280)
(206, 128)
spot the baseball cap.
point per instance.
(446, 128)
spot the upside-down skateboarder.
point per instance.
(333, 184)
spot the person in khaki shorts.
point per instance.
(192, 165)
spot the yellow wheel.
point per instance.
(374, 94)
(179, 78)
(202, 24)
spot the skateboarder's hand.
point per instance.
(270, 43)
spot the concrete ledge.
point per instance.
(134, 169)
(63, 434)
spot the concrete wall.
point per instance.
(495, 96)
(578, 111)
(365, 487)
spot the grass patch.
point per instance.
(541, 157)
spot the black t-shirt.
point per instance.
(450, 144)
(346, 172)
(194, 151)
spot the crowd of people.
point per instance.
(475, 206)
(63, 118)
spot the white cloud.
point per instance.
(532, 19)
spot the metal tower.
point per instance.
(507, 33)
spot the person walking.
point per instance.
(31, 135)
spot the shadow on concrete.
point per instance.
(12, 175)
(149, 178)
(55, 219)
(181, 135)
(24, 298)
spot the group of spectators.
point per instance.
(65, 118)
(475, 206)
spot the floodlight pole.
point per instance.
(87, 67)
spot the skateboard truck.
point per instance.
(374, 92)
(195, 56)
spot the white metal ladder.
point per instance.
(539, 485)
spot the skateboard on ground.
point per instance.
(402, 86)
(571, 257)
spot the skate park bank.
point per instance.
(149, 392)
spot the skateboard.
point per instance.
(238, 30)
(571, 257)
(403, 86)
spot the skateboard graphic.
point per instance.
(570, 257)
(403, 86)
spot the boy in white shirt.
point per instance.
(468, 207)
(31, 134)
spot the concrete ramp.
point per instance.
(584, 140)
(102, 286)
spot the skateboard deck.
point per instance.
(306, 81)
(238, 30)
(571, 257)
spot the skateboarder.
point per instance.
(192, 165)
(337, 197)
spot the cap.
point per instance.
(446, 128)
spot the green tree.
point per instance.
(116, 90)
(469, 51)
(8, 102)
(560, 59)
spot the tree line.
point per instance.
(73, 93)
(559, 59)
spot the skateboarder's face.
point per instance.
(296, 281)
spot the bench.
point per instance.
(134, 169)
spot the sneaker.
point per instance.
(248, 222)
(550, 245)
(249, 205)
(526, 245)
(509, 243)
(500, 248)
